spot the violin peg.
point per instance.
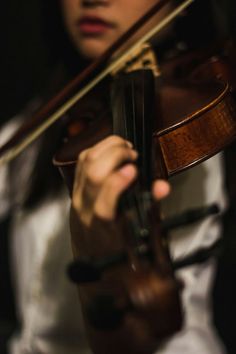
(189, 217)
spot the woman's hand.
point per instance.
(103, 172)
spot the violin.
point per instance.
(189, 119)
(129, 293)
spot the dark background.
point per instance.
(24, 56)
(24, 65)
(25, 69)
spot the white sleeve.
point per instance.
(5, 133)
(202, 185)
(198, 335)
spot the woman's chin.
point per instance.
(92, 49)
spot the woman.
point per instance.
(44, 296)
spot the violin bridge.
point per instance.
(143, 58)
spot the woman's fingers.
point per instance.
(106, 203)
(107, 199)
(108, 142)
(95, 151)
(97, 169)
(96, 163)
(102, 174)
(161, 189)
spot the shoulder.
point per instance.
(13, 175)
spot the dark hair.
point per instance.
(65, 63)
(58, 43)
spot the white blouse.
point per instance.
(48, 304)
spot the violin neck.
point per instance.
(132, 100)
(133, 104)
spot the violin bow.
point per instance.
(88, 79)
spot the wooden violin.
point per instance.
(190, 117)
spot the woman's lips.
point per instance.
(93, 25)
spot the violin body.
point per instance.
(200, 133)
(195, 121)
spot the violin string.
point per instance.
(144, 141)
(14, 151)
(134, 118)
(143, 118)
(137, 200)
(136, 203)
